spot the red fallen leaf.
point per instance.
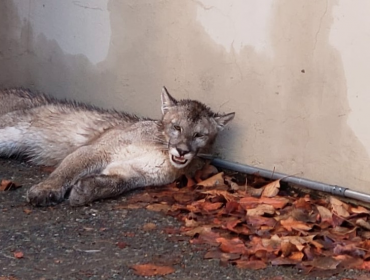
(206, 238)
(291, 224)
(261, 210)
(287, 248)
(225, 194)
(122, 245)
(254, 192)
(366, 245)
(365, 266)
(324, 263)
(271, 189)
(191, 223)
(209, 206)
(252, 202)
(8, 278)
(158, 207)
(171, 230)
(253, 264)
(303, 203)
(273, 242)
(149, 226)
(18, 255)
(27, 211)
(296, 256)
(7, 185)
(259, 221)
(232, 206)
(339, 208)
(216, 254)
(215, 180)
(325, 214)
(342, 232)
(359, 210)
(184, 198)
(283, 261)
(152, 269)
(190, 182)
(198, 230)
(234, 245)
(230, 223)
(363, 223)
(128, 234)
(259, 245)
(348, 262)
(349, 249)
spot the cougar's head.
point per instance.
(189, 127)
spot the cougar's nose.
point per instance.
(182, 152)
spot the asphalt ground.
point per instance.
(104, 241)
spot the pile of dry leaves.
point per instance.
(252, 226)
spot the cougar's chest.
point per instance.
(142, 160)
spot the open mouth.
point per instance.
(179, 160)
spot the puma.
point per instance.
(102, 153)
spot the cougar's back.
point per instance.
(47, 129)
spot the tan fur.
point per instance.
(102, 153)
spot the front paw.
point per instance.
(82, 192)
(45, 194)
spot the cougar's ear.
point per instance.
(223, 120)
(167, 100)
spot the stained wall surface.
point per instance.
(295, 72)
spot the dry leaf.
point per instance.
(158, 207)
(325, 214)
(152, 269)
(8, 278)
(190, 223)
(234, 245)
(7, 185)
(314, 235)
(324, 263)
(122, 245)
(339, 207)
(225, 194)
(296, 256)
(18, 254)
(27, 211)
(253, 264)
(271, 189)
(149, 226)
(261, 210)
(252, 202)
(359, 210)
(215, 180)
(291, 224)
(363, 223)
(216, 254)
(233, 186)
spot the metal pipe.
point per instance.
(332, 189)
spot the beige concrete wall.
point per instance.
(296, 72)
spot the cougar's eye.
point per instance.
(178, 128)
(197, 135)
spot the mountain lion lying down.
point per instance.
(102, 153)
